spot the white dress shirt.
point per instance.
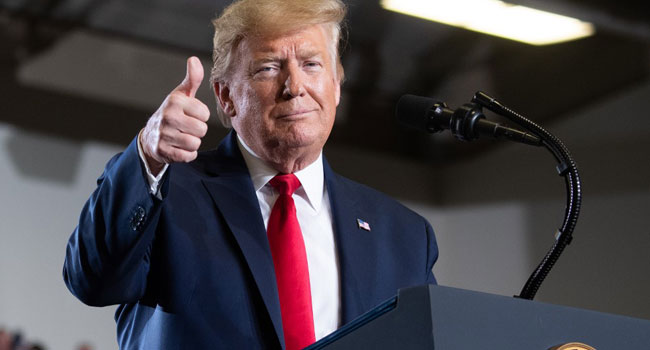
(315, 218)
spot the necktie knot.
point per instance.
(285, 184)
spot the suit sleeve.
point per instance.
(432, 253)
(107, 256)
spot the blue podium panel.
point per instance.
(471, 320)
(443, 318)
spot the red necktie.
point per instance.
(291, 269)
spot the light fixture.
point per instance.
(496, 18)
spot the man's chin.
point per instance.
(299, 143)
(301, 134)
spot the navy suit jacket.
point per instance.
(194, 270)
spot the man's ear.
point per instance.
(222, 93)
(337, 92)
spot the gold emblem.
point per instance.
(573, 346)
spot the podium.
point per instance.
(443, 318)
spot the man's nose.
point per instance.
(294, 84)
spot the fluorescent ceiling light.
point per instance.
(496, 18)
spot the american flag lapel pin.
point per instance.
(363, 225)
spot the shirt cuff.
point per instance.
(154, 181)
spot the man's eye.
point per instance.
(264, 69)
(312, 64)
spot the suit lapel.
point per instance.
(350, 246)
(233, 193)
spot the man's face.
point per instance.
(283, 93)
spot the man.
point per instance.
(214, 249)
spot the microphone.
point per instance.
(466, 123)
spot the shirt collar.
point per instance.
(311, 177)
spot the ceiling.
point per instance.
(386, 55)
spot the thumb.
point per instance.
(193, 77)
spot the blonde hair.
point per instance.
(270, 18)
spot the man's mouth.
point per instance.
(296, 114)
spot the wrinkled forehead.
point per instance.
(304, 42)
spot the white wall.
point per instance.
(477, 244)
(37, 214)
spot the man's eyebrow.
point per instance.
(267, 58)
(304, 54)
(272, 57)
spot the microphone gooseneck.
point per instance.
(468, 122)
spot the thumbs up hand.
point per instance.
(173, 133)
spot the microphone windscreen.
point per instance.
(412, 110)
